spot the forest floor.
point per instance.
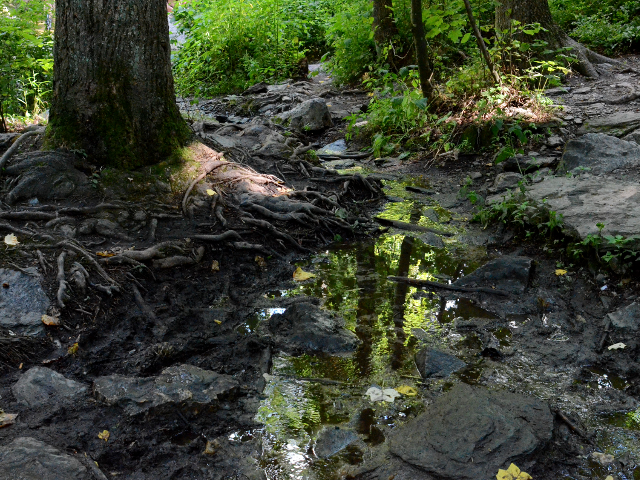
(186, 332)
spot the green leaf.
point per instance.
(466, 38)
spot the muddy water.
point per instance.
(307, 396)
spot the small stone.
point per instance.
(42, 386)
(507, 273)
(475, 175)
(22, 302)
(26, 458)
(505, 181)
(437, 364)
(602, 458)
(332, 440)
(555, 141)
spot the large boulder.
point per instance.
(510, 274)
(633, 137)
(619, 124)
(43, 386)
(495, 429)
(310, 115)
(22, 302)
(599, 153)
(305, 328)
(26, 458)
(175, 385)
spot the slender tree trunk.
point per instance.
(537, 11)
(113, 93)
(480, 41)
(424, 68)
(384, 28)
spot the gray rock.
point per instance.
(599, 153)
(555, 141)
(312, 115)
(177, 384)
(43, 386)
(22, 303)
(338, 147)
(626, 318)
(256, 89)
(6, 139)
(432, 239)
(505, 181)
(305, 328)
(339, 164)
(618, 124)
(109, 229)
(506, 273)
(475, 175)
(469, 433)
(633, 137)
(552, 92)
(584, 201)
(332, 440)
(582, 91)
(26, 458)
(434, 363)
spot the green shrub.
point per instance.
(26, 62)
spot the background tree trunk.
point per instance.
(424, 67)
(113, 93)
(384, 28)
(537, 11)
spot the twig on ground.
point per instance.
(454, 288)
(62, 294)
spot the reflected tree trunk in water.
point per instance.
(366, 316)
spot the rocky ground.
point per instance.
(152, 325)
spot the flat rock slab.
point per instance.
(311, 115)
(626, 318)
(599, 153)
(43, 386)
(332, 440)
(618, 124)
(434, 363)
(305, 328)
(26, 458)
(585, 201)
(497, 428)
(22, 302)
(510, 274)
(177, 384)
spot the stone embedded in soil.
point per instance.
(619, 124)
(498, 427)
(599, 154)
(26, 458)
(177, 384)
(332, 440)
(528, 163)
(42, 386)
(510, 274)
(22, 302)
(633, 137)
(310, 115)
(339, 147)
(585, 201)
(505, 181)
(626, 318)
(305, 328)
(437, 364)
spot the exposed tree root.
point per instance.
(42, 261)
(209, 166)
(409, 226)
(587, 59)
(426, 283)
(179, 260)
(79, 276)
(21, 139)
(227, 236)
(267, 226)
(142, 305)
(92, 261)
(63, 286)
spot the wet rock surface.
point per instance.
(26, 458)
(497, 428)
(509, 274)
(598, 153)
(433, 363)
(175, 385)
(305, 328)
(618, 124)
(332, 440)
(22, 302)
(41, 386)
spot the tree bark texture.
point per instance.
(424, 68)
(537, 11)
(384, 28)
(113, 93)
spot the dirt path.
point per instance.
(202, 357)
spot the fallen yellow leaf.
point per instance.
(300, 275)
(51, 321)
(73, 349)
(7, 419)
(407, 390)
(218, 322)
(11, 239)
(105, 254)
(513, 473)
(261, 262)
(560, 272)
(210, 192)
(104, 435)
(215, 266)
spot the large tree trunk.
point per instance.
(113, 93)
(537, 11)
(424, 67)
(384, 28)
